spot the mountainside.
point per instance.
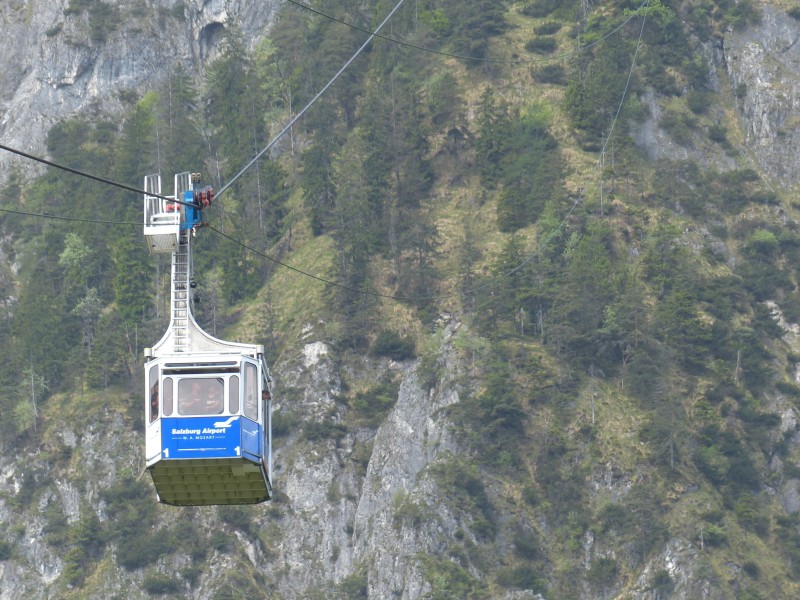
(539, 338)
(92, 56)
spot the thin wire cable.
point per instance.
(300, 271)
(478, 288)
(45, 216)
(476, 58)
(56, 165)
(505, 274)
(630, 75)
(313, 100)
(646, 6)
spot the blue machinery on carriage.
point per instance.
(208, 402)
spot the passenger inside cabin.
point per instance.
(214, 401)
(154, 403)
(193, 402)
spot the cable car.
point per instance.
(208, 402)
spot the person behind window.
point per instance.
(214, 400)
(194, 402)
(154, 404)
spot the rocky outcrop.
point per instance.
(67, 57)
(763, 64)
(344, 521)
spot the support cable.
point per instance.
(61, 167)
(45, 216)
(313, 100)
(489, 283)
(524, 262)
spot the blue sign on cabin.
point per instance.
(201, 437)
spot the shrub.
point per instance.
(554, 74)
(158, 583)
(392, 345)
(602, 572)
(662, 583)
(5, 550)
(221, 541)
(523, 578)
(547, 28)
(751, 569)
(790, 389)
(236, 517)
(527, 544)
(103, 19)
(373, 404)
(718, 134)
(191, 573)
(316, 431)
(541, 45)
(463, 483)
(144, 549)
(713, 534)
(761, 242)
(283, 423)
(698, 101)
(407, 511)
(131, 512)
(448, 579)
(749, 514)
(680, 126)
(614, 517)
(56, 529)
(712, 463)
(539, 8)
(354, 586)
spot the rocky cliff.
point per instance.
(762, 63)
(385, 503)
(68, 57)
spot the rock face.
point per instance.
(759, 66)
(343, 521)
(351, 504)
(63, 59)
(763, 64)
(357, 506)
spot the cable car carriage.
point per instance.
(208, 402)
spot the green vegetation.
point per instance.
(372, 405)
(6, 550)
(158, 584)
(392, 345)
(602, 323)
(449, 580)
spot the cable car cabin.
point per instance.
(208, 429)
(208, 401)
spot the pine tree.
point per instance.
(131, 277)
(493, 129)
(180, 143)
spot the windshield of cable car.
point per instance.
(200, 396)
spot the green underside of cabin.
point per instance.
(203, 482)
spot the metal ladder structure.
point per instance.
(181, 296)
